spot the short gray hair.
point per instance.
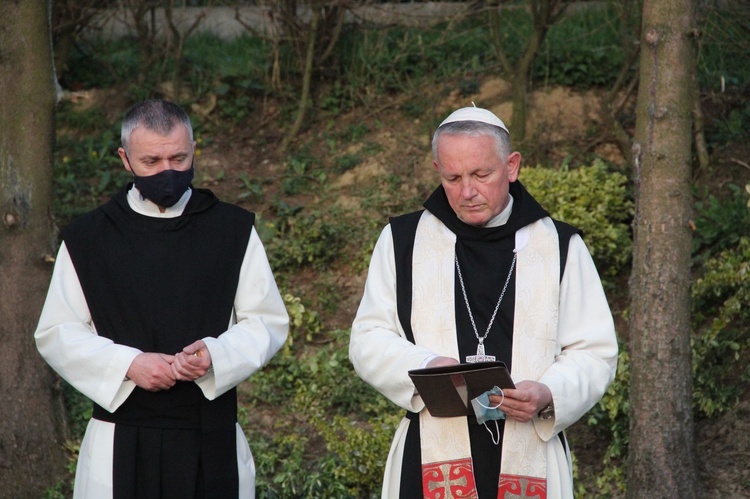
(474, 129)
(157, 115)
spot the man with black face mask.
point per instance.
(161, 302)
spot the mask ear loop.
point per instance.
(502, 394)
(494, 440)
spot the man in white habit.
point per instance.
(483, 273)
(161, 302)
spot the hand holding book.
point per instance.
(447, 391)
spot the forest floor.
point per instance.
(559, 120)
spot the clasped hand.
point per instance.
(159, 371)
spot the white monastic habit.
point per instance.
(584, 353)
(96, 366)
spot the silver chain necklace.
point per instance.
(481, 356)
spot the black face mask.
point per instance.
(164, 188)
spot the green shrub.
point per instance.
(721, 346)
(611, 417)
(720, 223)
(86, 173)
(341, 431)
(596, 201)
(358, 450)
(283, 466)
(303, 323)
(298, 240)
(583, 68)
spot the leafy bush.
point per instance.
(330, 407)
(596, 201)
(303, 323)
(298, 240)
(582, 50)
(86, 173)
(611, 417)
(358, 450)
(233, 72)
(583, 68)
(720, 223)
(721, 348)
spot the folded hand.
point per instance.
(152, 371)
(192, 363)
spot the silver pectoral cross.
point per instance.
(480, 356)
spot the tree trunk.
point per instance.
(544, 13)
(701, 147)
(661, 459)
(304, 100)
(31, 454)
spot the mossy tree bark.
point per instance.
(661, 454)
(31, 455)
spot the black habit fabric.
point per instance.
(159, 284)
(485, 256)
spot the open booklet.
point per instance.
(447, 391)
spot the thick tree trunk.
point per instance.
(661, 456)
(31, 455)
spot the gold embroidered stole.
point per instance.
(447, 470)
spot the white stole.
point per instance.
(446, 451)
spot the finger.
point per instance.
(195, 347)
(175, 371)
(187, 372)
(515, 393)
(188, 361)
(167, 358)
(196, 363)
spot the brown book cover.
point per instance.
(447, 391)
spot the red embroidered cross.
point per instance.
(449, 480)
(517, 487)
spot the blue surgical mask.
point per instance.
(485, 412)
(482, 408)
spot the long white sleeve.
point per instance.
(587, 359)
(257, 331)
(67, 339)
(378, 349)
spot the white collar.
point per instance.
(145, 207)
(503, 216)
